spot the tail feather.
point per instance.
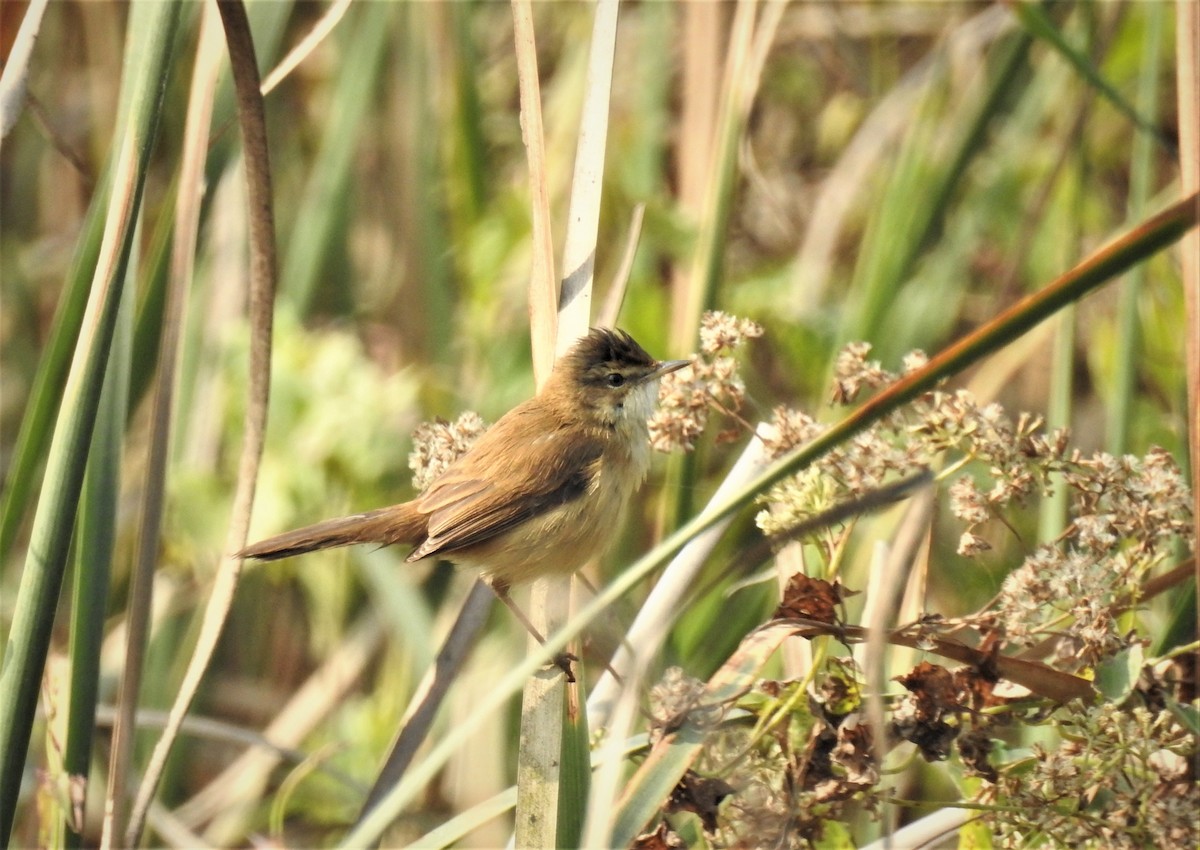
(395, 524)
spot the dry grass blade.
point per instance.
(332, 17)
(543, 293)
(262, 288)
(153, 499)
(16, 69)
(702, 27)
(539, 768)
(583, 217)
(610, 311)
(419, 716)
(1187, 30)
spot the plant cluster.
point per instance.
(791, 762)
(687, 398)
(438, 444)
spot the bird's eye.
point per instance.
(616, 379)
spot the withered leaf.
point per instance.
(811, 599)
(701, 795)
(929, 716)
(663, 838)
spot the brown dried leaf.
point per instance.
(929, 716)
(663, 838)
(810, 599)
(701, 795)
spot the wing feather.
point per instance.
(476, 500)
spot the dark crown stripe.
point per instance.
(609, 345)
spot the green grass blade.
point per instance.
(152, 28)
(750, 38)
(147, 331)
(432, 259)
(317, 220)
(94, 550)
(34, 435)
(749, 42)
(903, 229)
(470, 150)
(576, 772)
(1054, 508)
(1035, 20)
(1121, 408)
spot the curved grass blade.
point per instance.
(165, 306)
(261, 297)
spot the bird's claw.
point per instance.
(563, 661)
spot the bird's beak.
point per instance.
(664, 367)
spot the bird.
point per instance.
(540, 492)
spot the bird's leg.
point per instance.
(563, 659)
(591, 588)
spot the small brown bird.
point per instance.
(541, 491)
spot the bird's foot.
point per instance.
(563, 661)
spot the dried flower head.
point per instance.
(438, 444)
(722, 332)
(1139, 499)
(1114, 783)
(1124, 509)
(853, 371)
(675, 700)
(789, 429)
(686, 398)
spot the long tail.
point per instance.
(395, 524)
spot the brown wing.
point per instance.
(505, 480)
